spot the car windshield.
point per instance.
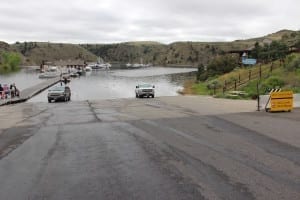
(145, 85)
(58, 89)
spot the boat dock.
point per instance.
(30, 92)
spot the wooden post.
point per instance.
(235, 84)
(271, 67)
(260, 71)
(239, 78)
(224, 88)
(280, 61)
(249, 75)
(214, 89)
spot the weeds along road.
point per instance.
(161, 148)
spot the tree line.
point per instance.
(269, 52)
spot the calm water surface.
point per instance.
(23, 79)
(114, 83)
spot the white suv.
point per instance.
(142, 90)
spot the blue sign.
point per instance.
(249, 61)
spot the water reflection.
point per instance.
(151, 71)
(121, 83)
(23, 79)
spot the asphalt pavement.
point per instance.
(161, 148)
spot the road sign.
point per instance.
(281, 101)
(249, 61)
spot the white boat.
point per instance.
(52, 69)
(88, 69)
(74, 75)
(49, 74)
(102, 66)
(135, 65)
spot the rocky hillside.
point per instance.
(36, 52)
(133, 52)
(4, 46)
(181, 53)
(178, 53)
(280, 35)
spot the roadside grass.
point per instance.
(201, 89)
(279, 79)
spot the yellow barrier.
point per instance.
(281, 101)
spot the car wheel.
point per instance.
(136, 95)
(49, 100)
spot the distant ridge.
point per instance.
(177, 53)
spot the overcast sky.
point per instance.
(166, 21)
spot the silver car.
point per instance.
(142, 90)
(59, 93)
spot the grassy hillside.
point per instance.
(271, 75)
(275, 36)
(36, 52)
(290, 38)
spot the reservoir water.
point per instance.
(111, 84)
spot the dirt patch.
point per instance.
(187, 88)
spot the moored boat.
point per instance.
(87, 69)
(102, 66)
(49, 75)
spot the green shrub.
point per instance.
(273, 82)
(222, 65)
(214, 84)
(293, 63)
(9, 62)
(201, 73)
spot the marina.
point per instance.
(100, 84)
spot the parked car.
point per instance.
(146, 89)
(59, 93)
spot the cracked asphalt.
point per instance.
(165, 148)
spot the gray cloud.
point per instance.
(105, 21)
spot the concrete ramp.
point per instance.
(30, 92)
